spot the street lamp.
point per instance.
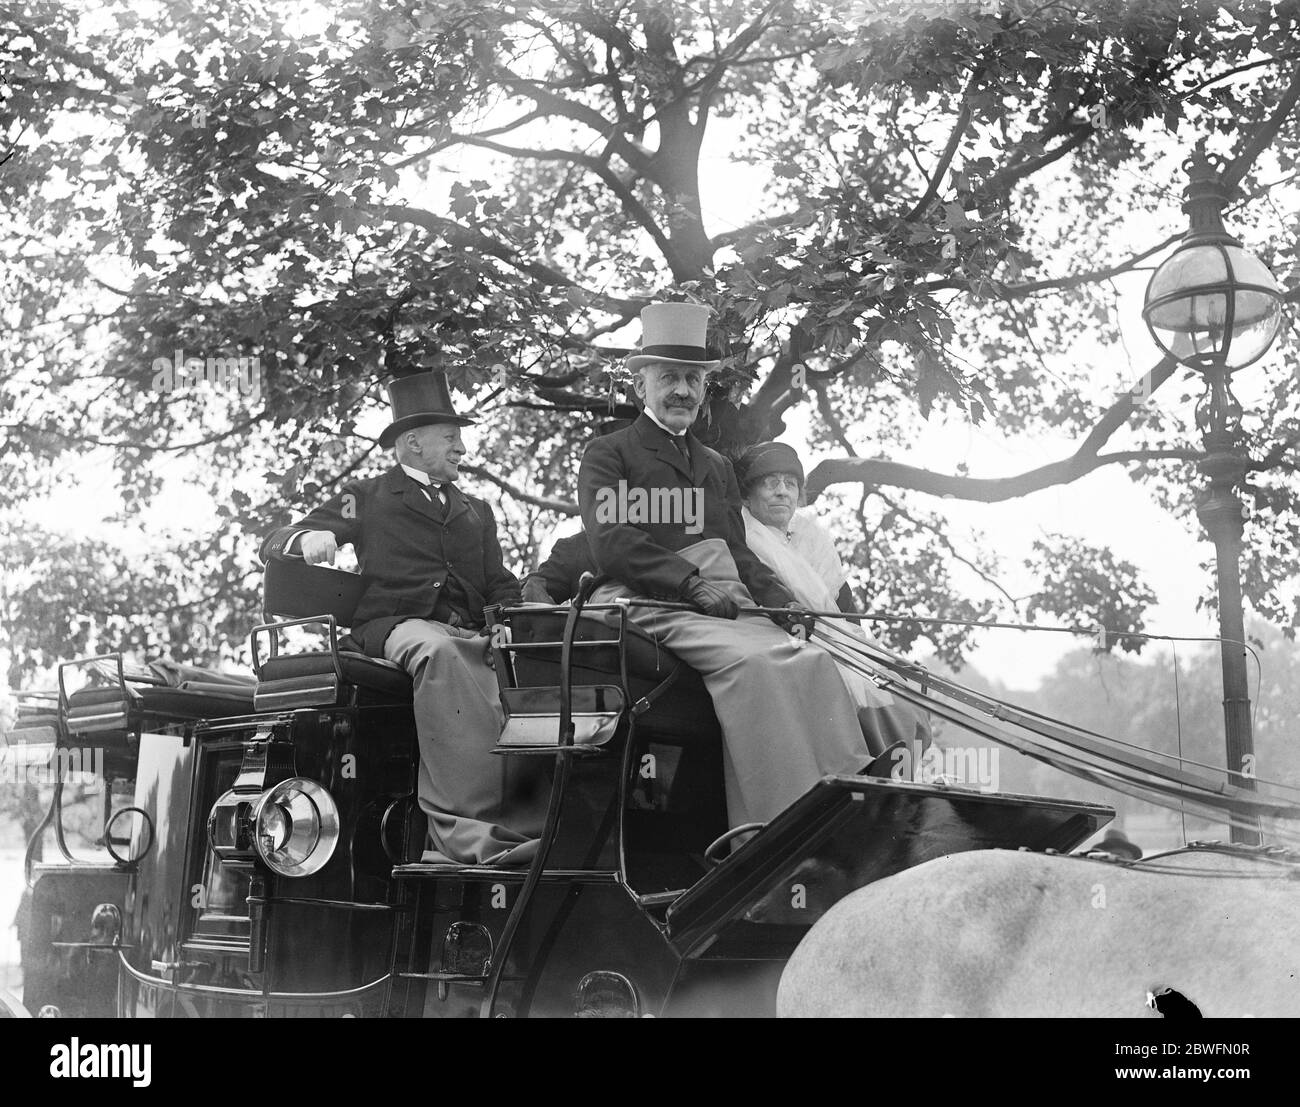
(1216, 308)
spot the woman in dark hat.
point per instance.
(794, 545)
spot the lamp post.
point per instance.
(1216, 308)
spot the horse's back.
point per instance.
(1002, 933)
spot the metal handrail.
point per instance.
(328, 621)
(248, 993)
(559, 784)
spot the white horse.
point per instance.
(995, 933)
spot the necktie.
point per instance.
(679, 440)
(434, 493)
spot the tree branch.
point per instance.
(626, 197)
(832, 420)
(637, 158)
(875, 471)
(563, 507)
(1243, 68)
(1005, 178)
(1073, 280)
(1121, 410)
(1273, 458)
(468, 238)
(1264, 135)
(995, 489)
(964, 114)
(456, 140)
(728, 238)
(707, 86)
(948, 544)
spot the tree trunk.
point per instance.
(676, 164)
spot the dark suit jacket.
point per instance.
(561, 572)
(641, 554)
(422, 561)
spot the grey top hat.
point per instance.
(674, 333)
(417, 400)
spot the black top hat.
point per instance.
(418, 400)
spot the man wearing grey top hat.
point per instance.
(431, 556)
(662, 513)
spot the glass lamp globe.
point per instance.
(1212, 303)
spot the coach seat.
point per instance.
(106, 694)
(678, 707)
(298, 594)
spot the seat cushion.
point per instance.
(375, 674)
(161, 702)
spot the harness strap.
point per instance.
(651, 697)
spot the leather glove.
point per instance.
(535, 591)
(795, 619)
(707, 597)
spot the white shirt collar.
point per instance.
(419, 476)
(659, 423)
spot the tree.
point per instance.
(946, 190)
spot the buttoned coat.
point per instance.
(642, 554)
(411, 551)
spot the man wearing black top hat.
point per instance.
(431, 556)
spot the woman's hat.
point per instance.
(417, 400)
(673, 333)
(766, 458)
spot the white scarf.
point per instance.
(804, 582)
(811, 589)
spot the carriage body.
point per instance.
(629, 908)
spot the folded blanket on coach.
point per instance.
(174, 674)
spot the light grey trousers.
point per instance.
(787, 718)
(482, 807)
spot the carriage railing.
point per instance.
(594, 710)
(559, 781)
(94, 697)
(108, 702)
(274, 629)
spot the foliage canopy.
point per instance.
(949, 194)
